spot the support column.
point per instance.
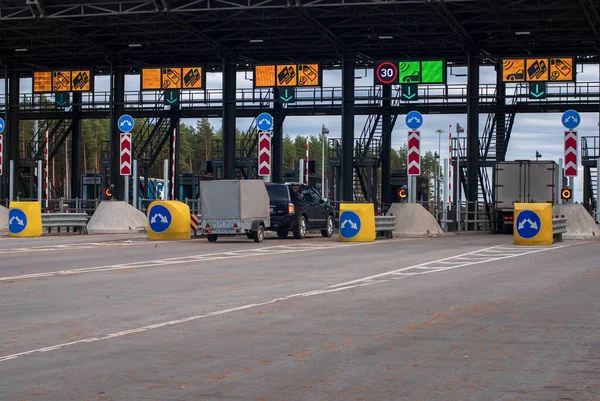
(174, 152)
(500, 115)
(386, 144)
(472, 129)
(11, 134)
(229, 84)
(118, 109)
(77, 166)
(347, 181)
(277, 140)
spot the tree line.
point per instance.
(196, 147)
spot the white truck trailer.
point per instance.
(523, 181)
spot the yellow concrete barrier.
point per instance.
(168, 220)
(25, 219)
(533, 224)
(357, 222)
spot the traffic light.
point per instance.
(566, 194)
(108, 192)
(402, 194)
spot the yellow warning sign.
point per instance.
(151, 78)
(286, 75)
(192, 78)
(264, 76)
(171, 78)
(42, 82)
(81, 81)
(308, 75)
(513, 70)
(561, 69)
(61, 81)
(536, 69)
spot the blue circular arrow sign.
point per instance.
(349, 224)
(17, 221)
(264, 122)
(571, 119)
(414, 120)
(528, 224)
(125, 123)
(1, 125)
(160, 218)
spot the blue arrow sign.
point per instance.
(1, 125)
(349, 224)
(571, 119)
(528, 224)
(264, 122)
(125, 123)
(414, 120)
(17, 221)
(160, 218)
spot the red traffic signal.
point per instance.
(107, 192)
(402, 193)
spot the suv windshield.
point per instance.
(277, 193)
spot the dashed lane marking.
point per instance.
(365, 281)
(243, 253)
(87, 245)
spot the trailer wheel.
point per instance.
(212, 237)
(259, 234)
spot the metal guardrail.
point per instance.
(76, 221)
(559, 227)
(385, 225)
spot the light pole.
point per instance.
(439, 167)
(324, 132)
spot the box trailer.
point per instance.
(234, 207)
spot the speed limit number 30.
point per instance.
(386, 72)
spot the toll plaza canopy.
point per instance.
(68, 42)
(52, 33)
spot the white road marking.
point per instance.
(365, 281)
(87, 245)
(244, 253)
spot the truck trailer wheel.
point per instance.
(259, 234)
(212, 237)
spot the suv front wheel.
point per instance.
(328, 232)
(300, 232)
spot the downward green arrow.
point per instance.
(537, 92)
(286, 97)
(171, 99)
(409, 96)
(61, 102)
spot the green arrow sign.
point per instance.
(61, 99)
(537, 90)
(410, 92)
(171, 97)
(287, 95)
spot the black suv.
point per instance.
(299, 208)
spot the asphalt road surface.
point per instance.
(460, 318)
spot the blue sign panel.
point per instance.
(1, 125)
(571, 119)
(160, 218)
(264, 122)
(125, 123)
(414, 120)
(349, 224)
(17, 221)
(528, 224)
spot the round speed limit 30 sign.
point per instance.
(386, 72)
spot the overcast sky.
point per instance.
(531, 132)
